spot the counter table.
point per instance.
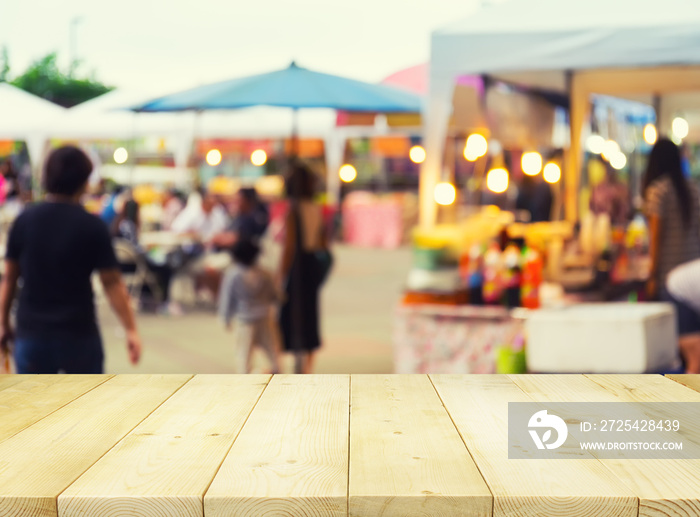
(317, 445)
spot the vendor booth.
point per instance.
(544, 60)
(642, 50)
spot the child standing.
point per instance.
(248, 295)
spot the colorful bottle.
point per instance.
(475, 277)
(512, 275)
(532, 279)
(493, 288)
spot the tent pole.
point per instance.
(295, 132)
(132, 147)
(436, 119)
(196, 179)
(335, 148)
(579, 108)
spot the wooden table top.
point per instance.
(317, 445)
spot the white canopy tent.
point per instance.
(638, 49)
(106, 117)
(26, 117)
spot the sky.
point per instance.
(159, 46)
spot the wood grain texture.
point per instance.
(37, 464)
(291, 457)
(656, 388)
(664, 487)
(478, 404)
(691, 381)
(7, 380)
(406, 457)
(34, 397)
(164, 466)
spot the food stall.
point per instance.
(599, 259)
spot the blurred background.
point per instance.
(483, 167)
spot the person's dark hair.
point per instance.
(131, 210)
(8, 169)
(249, 194)
(300, 183)
(67, 171)
(245, 252)
(665, 160)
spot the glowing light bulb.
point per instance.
(618, 161)
(595, 144)
(552, 172)
(417, 154)
(650, 134)
(680, 127)
(610, 149)
(121, 155)
(258, 157)
(214, 157)
(476, 147)
(445, 193)
(347, 173)
(531, 163)
(497, 180)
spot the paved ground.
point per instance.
(357, 308)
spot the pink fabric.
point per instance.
(413, 79)
(374, 224)
(416, 80)
(3, 188)
(451, 339)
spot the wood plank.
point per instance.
(645, 388)
(164, 466)
(656, 388)
(691, 381)
(478, 404)
(37, 464)
(10, 379)
(34, 397)
(664, 487)
(291, 457)
(406, 457)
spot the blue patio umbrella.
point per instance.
(293, 87)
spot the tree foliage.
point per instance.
(45, 79)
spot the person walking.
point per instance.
(54, 247)
(302, 271)
(672, 207)
(248, 296)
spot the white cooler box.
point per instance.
(603, 338)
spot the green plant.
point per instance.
(45, 79)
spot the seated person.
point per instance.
(204, 221)
(172, 207)
(201, 220)
(126, 228)
(683, 291)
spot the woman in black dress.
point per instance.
(301, 271)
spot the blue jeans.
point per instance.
(687, 319)
(78, 354)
